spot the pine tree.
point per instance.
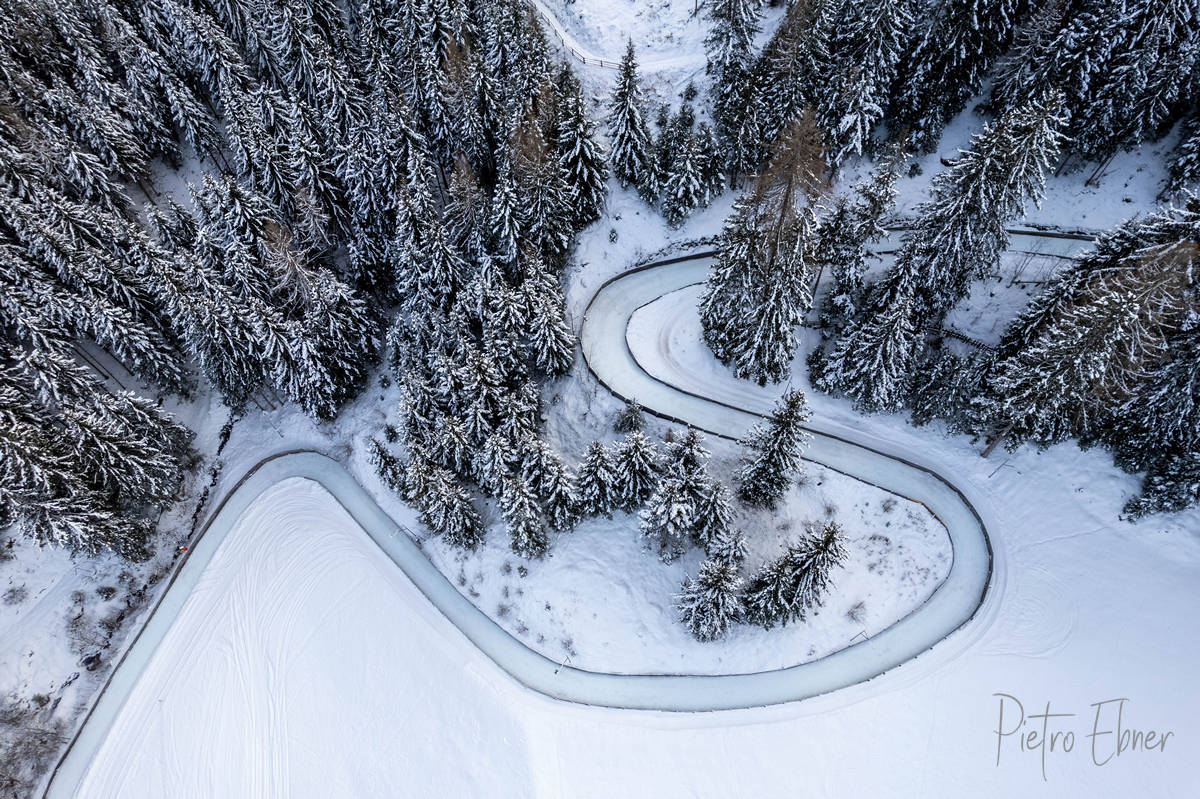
(550, 338)
(948, 63)
(712, 519)
(446, 509)
(683, 186)
(1184, 171)
(1172, 484)
(1163, 413)
(634, 471)
(786, 589)
(709, 603)
(730, 547)
(730, 46)
(795, 64)
(523, 519)
(945, 387)
(580, 157)
(959, 234)
(762, 264)
(630, 138)
(668, 518)
(630, 418)
(869, 48)
(1096, 336)
(771, 461)
(595, 482)
(871, 362)
(845, 237)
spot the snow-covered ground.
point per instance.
(305, 664)
(601, 602)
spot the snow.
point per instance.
(601, 602)
(253, 692)
(304, 663)
(1086, 607)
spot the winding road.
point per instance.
(721, 407)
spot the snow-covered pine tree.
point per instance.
(389, 467)
(771, 459)
(709, 604)
(945, 386)
(730, 48)
(685, 454)
(580, 157)
(1096, 335)
(594, 482)
(762, 262)
(683, 185)
(868, 45)
(446, 509)
(959, 234)
(1172, 484)
(634, 471)
(630, 418)
(947, 63)
(871, 362)
(550, 337)
(1151, 48)
(495, 462)
(730, 547)
(668, 518)
(1183, 173)
(786, 589)
(628, 134)
(544, 470)
(543, 194)
(844, 238)
(1163, 413)
(795, 64)
(523, 518)
(713, 516)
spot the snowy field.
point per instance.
(305, 664)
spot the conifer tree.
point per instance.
(523, 519)
(629, 136)
(785, 590)
(730, 45)
(1172, 484)
(948, 63)
(771, 461)
(595, 482)
(1183, 173)
(683, 185)
(730, 547)
(711, 522)
(762, 264)
(845, 237)
(580, 157)
(446, 509)
(668, 518)
(709, 604)
(868, 47)
(959, 234)
(634, 471)
(630, 418)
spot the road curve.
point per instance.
(952, 604)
